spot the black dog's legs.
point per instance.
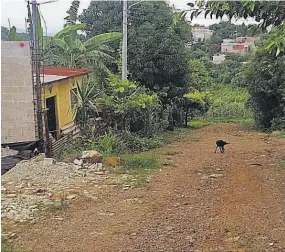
(216, 149)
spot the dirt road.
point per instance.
(233, 201)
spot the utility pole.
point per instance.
(36, 69)
(125, 40)
(125, 37)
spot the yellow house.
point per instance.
(59, 97)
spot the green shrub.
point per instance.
(229, 102)
(111, 143)
(266, 78)
(135, 143)
(141, 161)
(8, 246)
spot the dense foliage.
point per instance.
(12, 35)
(266, 82)
(67, 50)
(262, 76)
(266, 13)
(156, 53)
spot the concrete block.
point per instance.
(19, 97)
(4, 132)
(49, 161)
(24, 61)
(11, 132)
(7, 125)
(27, 119)
(28, 135)
(6, 97)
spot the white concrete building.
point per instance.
(218, 58)
(201, 33)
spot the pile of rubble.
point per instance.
(8, 152)
(33, 185)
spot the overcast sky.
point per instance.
(54, 13)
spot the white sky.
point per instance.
(54, 13)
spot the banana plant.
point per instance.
(69, 51)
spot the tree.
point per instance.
(158, 60)
(72, 13)
(101, 17)
(195, 103)
(266, 83)
(224, 72)
(123, 101)
(68, 51)
(199, 77)
(156, 53)
(12, 34)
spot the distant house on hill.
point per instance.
(201, 32)
(218, 58)
(19, 114)
(240, 45)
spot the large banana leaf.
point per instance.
(60, 43)
(97, 40)
(78, 46)
(68, 29)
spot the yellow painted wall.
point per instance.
(61, 91)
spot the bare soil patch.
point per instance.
(203, 201)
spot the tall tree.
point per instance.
(102, 16)
(265, 79)
(72, 13)
(156, 53)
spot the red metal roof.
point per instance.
(62, 71)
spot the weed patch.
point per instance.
(138, 162)
(198, 123)
(278, 133)
(172, 153)
(8, 246)
(280, 165)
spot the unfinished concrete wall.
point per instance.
(18, 122)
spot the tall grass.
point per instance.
(229, 102)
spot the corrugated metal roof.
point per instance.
(52, 74)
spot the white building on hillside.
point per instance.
(218, 58)
(201, 33)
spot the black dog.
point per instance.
(221, 144)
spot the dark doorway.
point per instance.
(51, 116)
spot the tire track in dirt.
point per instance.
(184, 209)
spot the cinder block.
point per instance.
(7, 125)
(11, 133)
(27, 119)
(49, 161)
(18, 97)
(4, 132)
(6, 97)
(29, 133)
